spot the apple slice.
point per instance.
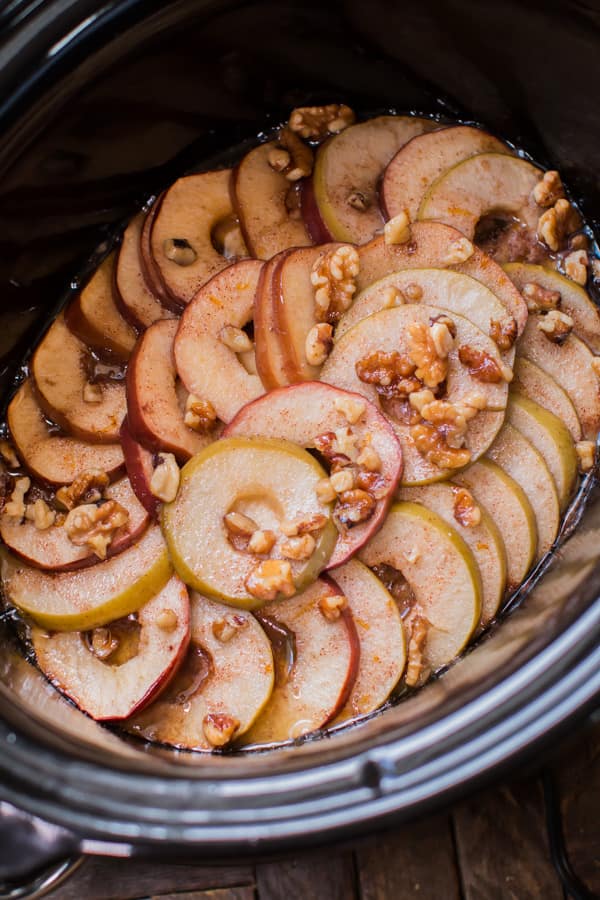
(95, 319)
(381, 636)
(52, 549)
(59, 367)
(551, 438)
(303, 412)
(272, 356)
(269, 481)
(51, 456)
(139, 463)
(136, 302)
(519, 459)
(150, 269)
(114, 685)
(387, 331)
(311, 691)
(543, 389)
(226, 679)
(347, 170)
(574, 300)
(208, 366)
(571, 366)
(181, 236)
(424, 158)
(262, 195)
(429, 246)
(483, 538)
(88, 598)
(441, 572)
(154, 415)
(512, 512)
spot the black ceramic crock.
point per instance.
(101, 104)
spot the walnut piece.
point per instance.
(225, 629)
(318, 344)
(88, 487)
(325, 491)
(352, 408)
(164, 483)
(262, 542)
(301, 547)
(92, 393)
(235, 339)
(16, 505)
(482, 366)
(219, 728)
(315, 123)
(8, 455)
(443, 339)
(40, 514)
(270, 578)
(180, 251)
(391, 373)
(291, 156)
(353, 507)
(342, 481)
(538, 299)
(431, 368)
(95, 526)
(556, 326)
(397, 229)
(459, 252)
(549, 189)
(576, 266)
(369, 459)
(432, 444)
(557, 223)
(103, 642)
(586, 455)
(331, 606)
(504, 334)
(418, 634)
(358, 200)
(334, 276)
(413, 292)
(466, 511)
(373, 483)
(200, 415)
(239, 525)
(167, 620)
(278, 158)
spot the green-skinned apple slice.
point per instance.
(571, 366)
(315, 685)
(137, 303)
(574, 300)
(137, 658)
(209, 367)
(441, 572)
(269, 481)
(551, 437)
(543, 389)
(52, 549)
(519, 459)
(507, 502)
(387, 331)
(424, 158)
(381, 634)
(95, 317)
(59, 367)
(139, 464)
(430, 246)
(222, 685)
(303, 412)
(483, 538)
(154, 413)
(347, 170)
(88, 598)
(51, 456)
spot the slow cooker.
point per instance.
(101, 105)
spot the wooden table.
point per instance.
(493, 846)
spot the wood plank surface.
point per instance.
(309, 877)
(235, 893)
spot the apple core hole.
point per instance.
(226, 238)
(196, 668)
(116, 643)
(264, 508)
(283, 644)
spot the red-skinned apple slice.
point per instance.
(424, 158)
(543, 389)
(52, 549)
(139, 463)
(381, 635)
(58, 367)
(225, 679)
(150, 270)
(154, 414)
(207, 366)
(106, 688)
(271, 360)
(95, 317)
(137, 303)
(302, 412)
(429, 246)
(319, 681)
(313, 222)
(51, 457)
(347, 170)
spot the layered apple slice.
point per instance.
(49, 455)
(91, 597)
(210, 346)
(62, 370)
(116, 670)
(424, 158)
(347, 170)
(271, 357)
(139, 464)
(315, 678)
(223, 683)
(95, 317)
(137, 303)
(543, 389)
(351, 435)
(150, 268)
(264, 534)
(434, 571)
(51, 547)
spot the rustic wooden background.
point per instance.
(493, 846)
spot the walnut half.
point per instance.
(315, 123)
(95, 526)
(334, 276)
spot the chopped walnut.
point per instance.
(219, 728)
(391, 373)
(298, 160)
(373, 483)
(413, 292)
(200, 415)
(369, 459)
(443, 339)
(576, 266)
(102, 642)
(334, 276)
(95, 526)
(482, 366)
(586, 455)
(342, 481)
(352, 408)
(418, 634)
(16, 505)
(40, 514)
(358, 200)
(422, 398)
(262, 542)
(325, 491)
(431, 443)
(397, 230)
(345, 443)
(87, 487)
(538, 299)
(431, 368)
(270, 578)
(557, 223)
(466, 511)
(301, 547)
(228, 238)
(556, 326)
(240, 525)
(305, 526)
(278, 158)
(392, 297)
(331, 606)
(180, 251)
(449, 419)
(167, 620)
(225, 629)
(164, 483)
(235, 339)
(318, 344)
(8, 455)
(317, 122)
(504, 334)
(459, 252)
(92, 393)
(548, 190)
(354, 506)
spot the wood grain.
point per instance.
(235, 893)
(310, 877)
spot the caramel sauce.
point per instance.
(191, 676)
(117, 643)
(283, 644)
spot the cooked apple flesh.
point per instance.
(543, 389)
(137, 303)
